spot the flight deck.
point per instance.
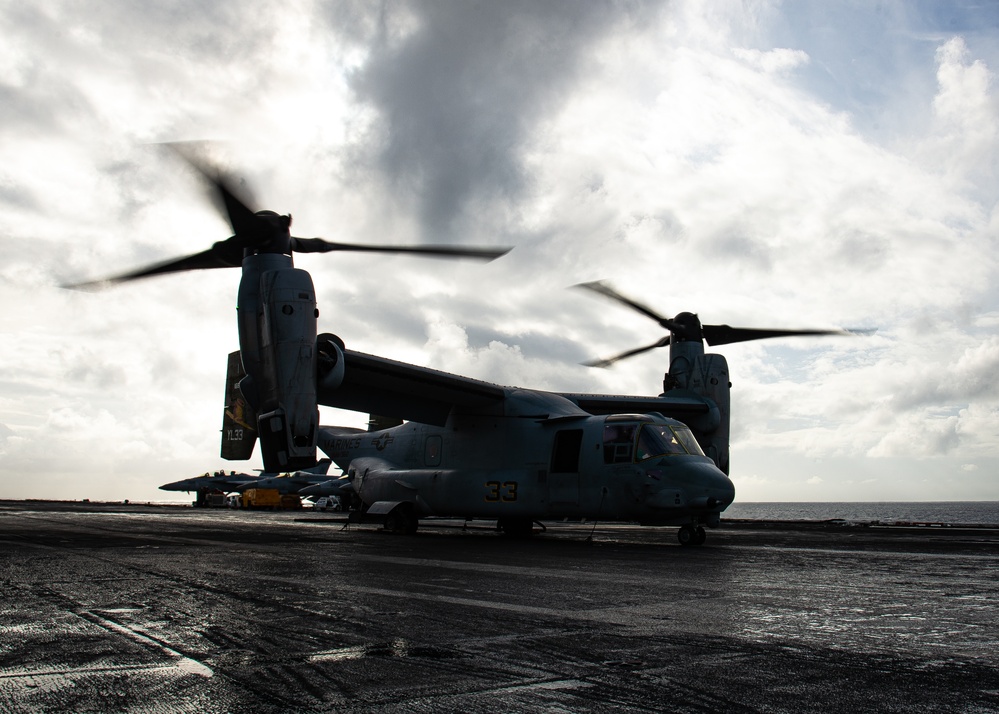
(140, 608)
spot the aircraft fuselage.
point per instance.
(645, 468)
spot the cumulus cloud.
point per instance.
(5, 433)
(780, 59)
(459, 89)
(966, 110)
(726, 159)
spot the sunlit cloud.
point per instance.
(721, 158)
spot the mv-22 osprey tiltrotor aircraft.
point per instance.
(461, 447)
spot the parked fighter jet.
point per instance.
(219, 482)
(291, 483)
(341, 487)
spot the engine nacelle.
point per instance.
(706, 376)
(288, 415)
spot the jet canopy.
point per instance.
(632, 438)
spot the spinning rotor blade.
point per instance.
(221, 255)
(725, 335)
(602, 288)
(241, 217)
(262, 232)
(611, 360)
(245, 223)
(319, 245)
(686, 326)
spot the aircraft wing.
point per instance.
(376, 385)
(674, 407)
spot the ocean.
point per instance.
(952, 512)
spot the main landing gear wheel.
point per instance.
(401, 521)
(691, 535)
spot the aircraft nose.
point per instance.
(722, 489)
(711, 488)
(699, 485)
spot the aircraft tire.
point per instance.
(402, 521)
(686, 535)
(393, 522)
(700, 535)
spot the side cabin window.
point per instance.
(565, 453)
(432, 453)
(619, 443)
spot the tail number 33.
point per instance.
(505, 491)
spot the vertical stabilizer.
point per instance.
(239, 433)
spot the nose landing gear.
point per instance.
(691, 535)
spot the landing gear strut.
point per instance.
(691, 535)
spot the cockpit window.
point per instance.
(686, 438)
(658, 440)
(626, 443)
(663, 440)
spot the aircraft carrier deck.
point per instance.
(117, 608)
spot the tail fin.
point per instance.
(239, 431)
(322, 467)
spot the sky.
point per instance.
(763, 164)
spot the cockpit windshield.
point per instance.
(686, 438)
(664, 440)
(620, 440)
